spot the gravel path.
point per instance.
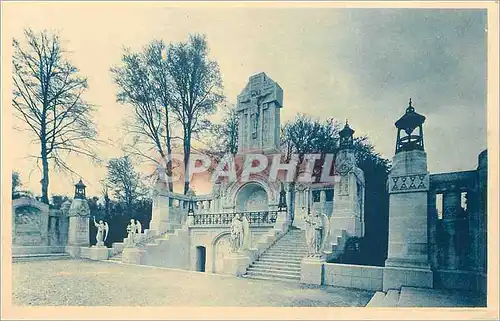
(92, 283)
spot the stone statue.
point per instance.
(134, 228)
(101, 228)
(246, 233)
(236, 233)
(314, 233)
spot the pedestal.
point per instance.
(133, 255)
(97, 253)
(311, 270)
(236, 264)
(78, 233)
(160, 214)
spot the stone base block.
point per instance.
(397, 277)
(348, 222)
(97, 253)
(73, 250)
(133, 256)
(311, 270)
(236, 264)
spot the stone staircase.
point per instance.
(282, 260)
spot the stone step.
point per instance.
(261, 277)
(277, 260)
(277, 250)
(274, 263)
(273, 268)
(41, 256)
(274, 275)
(391, 298)
(117, 257)
(293, 256)
(289, 247)
(291, 259)
(377, 300)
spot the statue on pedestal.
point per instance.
(236, 233)
(101, 228)
(246, 233)
(133, 230)
(314, 233)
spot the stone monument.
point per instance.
(79, 216)
(349, 192)
(407, 261)
(258, 113)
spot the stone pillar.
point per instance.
(407, 263)
(451, 207)
(347, 213)
(160, 216)
(78, 231)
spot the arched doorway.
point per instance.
(201, 258)
(252, 197)
(222, 248)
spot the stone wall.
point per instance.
(212, 239)
(457, 229)
(353, 276)
(460, 280)
(30, 222)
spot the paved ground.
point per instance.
(91, 283)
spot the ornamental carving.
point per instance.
(409, 183)
(79, 208)
(344, 162)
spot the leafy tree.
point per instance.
(58, 200)
(144, 83)
(48, 98)
(125, 182)
(16, 182)
(305, 135)
(196, 89)
(224, 136)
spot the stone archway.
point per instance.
(252, 197)
(221, 248)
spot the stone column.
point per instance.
(407, 263)
(78, 231)
(160, 216)
(451, 207)
(346, 211)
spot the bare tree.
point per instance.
(48, 98)
(144, 83)
(196, 89)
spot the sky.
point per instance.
(359, 64)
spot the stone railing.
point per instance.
(254, 218)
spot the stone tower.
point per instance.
(258, 112)
(407, 261)
(349, 192)
(79, 214)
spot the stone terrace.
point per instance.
(93, 283)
